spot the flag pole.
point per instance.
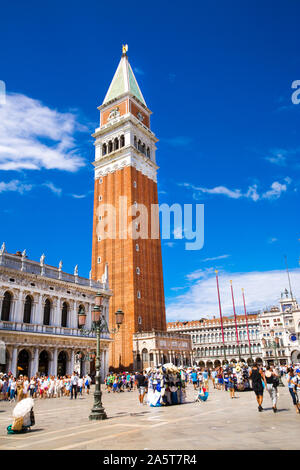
(221, 318)
(246, 317)
(236, 330)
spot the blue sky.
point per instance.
(217, 76)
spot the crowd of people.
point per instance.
(158, 384)
(16, 388)
(231, 378)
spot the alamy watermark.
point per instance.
(136, 221)
(2, 92)
(296, 94)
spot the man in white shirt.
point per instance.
(74, 384)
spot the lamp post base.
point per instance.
(98, 414)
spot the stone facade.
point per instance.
(280, 331)
(160, 347)
(125, 167)
(39, 307)
(207, 339)
(264, 327)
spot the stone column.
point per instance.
(56, 314)
(89, 317)
(54, 362)
(13, 308)
(1, 301)
(73, 319)
(71, 362)
(38, 314)
(14, 359)
(106, 361)
(19, 311)
(34, 362)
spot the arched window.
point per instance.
(64, 314)
(139, 145)
(27, 309)
(122, 141)
(110, 146)
(145, 355)
(6, 306)
(104, 149)
(81, 309)
(116, 144)
(148, 152)
(135, 141)
(144, 149)
(47, 311)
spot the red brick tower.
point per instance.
(125, 167)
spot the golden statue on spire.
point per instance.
(124, 48)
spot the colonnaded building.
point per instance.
(39, 307)
(125, 177)
(269, 336)
(207, 339)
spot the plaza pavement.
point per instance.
(219, 423)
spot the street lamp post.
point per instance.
(99, 325)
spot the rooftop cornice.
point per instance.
(57, 282)
(120, 98)
(122, 120)
(117, 154)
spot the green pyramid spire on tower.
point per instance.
(124, 81)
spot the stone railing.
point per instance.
(48, 329)
(33, 267)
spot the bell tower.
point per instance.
(126, 177)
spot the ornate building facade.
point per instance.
(153, 348)
(274, 335)
(125, 178)
(280, 331)
(39, 306)
(207, 339)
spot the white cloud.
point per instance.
(16, 186)
(33, 136)
(278, 157)
(215, 258)
(21, 187)
(78, 196)
(273, 240)
(199, 274)
(53, 188)
(274, 192)
(282, 157)
(261, 289)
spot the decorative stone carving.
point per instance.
(114, 114)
